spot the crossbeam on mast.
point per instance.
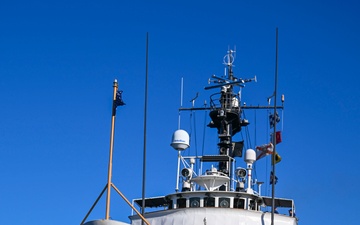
(242, 107)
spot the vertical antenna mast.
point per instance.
(273, 136)
(179, 154)
(181, 98)
(145, 116)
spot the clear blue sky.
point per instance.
(58, 60)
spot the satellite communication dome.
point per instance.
(250, 156)
(180, 140)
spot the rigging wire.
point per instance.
(255, 140)
(203, 143)
(195, 139)
(282, 120)
(190, 132)
(247, 133)
(247, 138)
(267, 190)
(204, 132)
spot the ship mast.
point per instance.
(225, 113)
(226, 116)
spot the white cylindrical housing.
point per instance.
(180, 140)
(250, 156)
(249, 179)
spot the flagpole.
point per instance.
(117, 101)
(272, 178)
(109, 182)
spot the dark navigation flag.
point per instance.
(273, 178)
(118, 101)
(274, 119)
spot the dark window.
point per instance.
(194, 202)
(181, 202)
(224, 202)
(170, 204)
(252, 204)
(239, 203)
(209, 202)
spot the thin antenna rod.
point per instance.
(181, 98)
(274, 135)
(145, 116)
(107, 213)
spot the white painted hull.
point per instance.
(105, 222)
(213, 216)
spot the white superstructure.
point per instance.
(223, 193)
(217, 195)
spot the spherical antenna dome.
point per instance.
(250, 156)
(180, 140)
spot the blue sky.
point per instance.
(58, 60)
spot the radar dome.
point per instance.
(250, 156)
(180, 140)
